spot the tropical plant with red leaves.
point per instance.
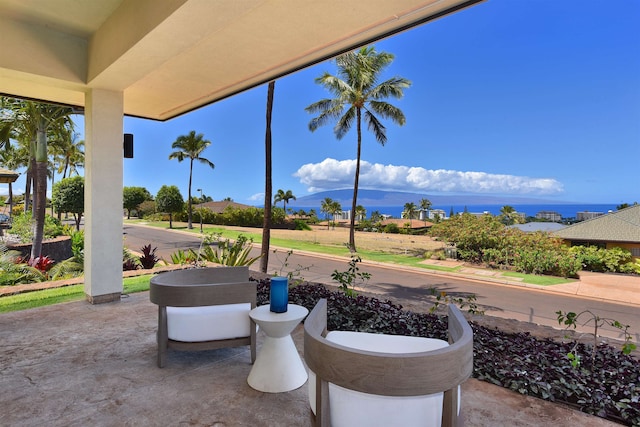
(42, 263)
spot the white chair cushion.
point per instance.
(352, 408)
(208, 323)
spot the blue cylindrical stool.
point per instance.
(279, 294)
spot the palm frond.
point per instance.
(330, 114)
(66, 269)
(320, 106)
(388, 111)
(345, 122)
(206, 162)
(374, 125)
(393, 87)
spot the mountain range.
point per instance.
(373, 198)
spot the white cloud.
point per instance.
(331, 174)
(258, 197)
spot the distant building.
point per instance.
(342, 216)
(435, 212)
(549, 215)
(585, 215)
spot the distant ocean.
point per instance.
(566, 210)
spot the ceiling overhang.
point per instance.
(172, 56)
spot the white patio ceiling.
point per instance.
(169, 57)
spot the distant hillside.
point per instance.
(372, 198)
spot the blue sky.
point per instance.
(534, 98)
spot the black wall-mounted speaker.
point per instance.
(128, 146)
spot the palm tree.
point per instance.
(361, 212)
(36, 123)
(326, 206)
(336, 209)
(425, 205)
(73, 156)
(410, 210)
(509, 216)
(190, 146)
(356, 88)
(281, 196)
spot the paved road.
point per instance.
(506, 301)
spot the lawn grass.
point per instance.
(535, 279)
(383, 257)
(27, 300)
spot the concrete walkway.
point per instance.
(77, 364)
(620, 288)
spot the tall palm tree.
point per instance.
(51, 120)
(410, 210)
(356, 88)
(190, 146)
(284, 197)
(37, 123)
(425, 205)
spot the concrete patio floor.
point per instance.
(77, 364)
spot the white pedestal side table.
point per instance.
(278, 367)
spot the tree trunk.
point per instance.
(189, 213)
(39, 204)
(268, 188)
(40, 192)
(27, 187)
(10, 200)
(352, 222)
(53, 177)
(170, 220)
(78, 218)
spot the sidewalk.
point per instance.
(619, 288)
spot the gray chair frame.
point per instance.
(388, 374)
(202, 287)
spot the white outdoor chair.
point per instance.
(204, 309)
(364, 379)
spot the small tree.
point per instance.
(169, 200)
(68, 196)
(132, 197)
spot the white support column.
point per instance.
(103, 195)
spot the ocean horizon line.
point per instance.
(567, 210)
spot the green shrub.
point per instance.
(486, 240)
(146, 208)
(22, 226)
(392, 228)
(156, 217)
(614, 260)
(301, 225)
